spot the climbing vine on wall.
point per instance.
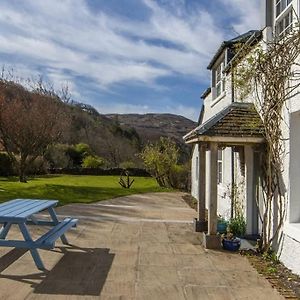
(269, 72)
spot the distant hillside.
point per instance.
(119, 138)
(151, 127)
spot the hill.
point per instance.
(120, 137)
(151, 127)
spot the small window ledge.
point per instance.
(292, 230)
(219, 98)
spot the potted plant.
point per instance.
(222, 225)
(230, 242)
(236, 228)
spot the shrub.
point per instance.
(6, 164)
(237, 225)
(127, 165)
(93, 162)
(38, 166)
(180, 177)
(57, 157)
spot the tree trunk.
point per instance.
(22, 169)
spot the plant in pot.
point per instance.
(222, 225)
(235, 229)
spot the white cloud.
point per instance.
(67, 40)
(67, 35)
(248, 14)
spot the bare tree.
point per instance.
(29, 122)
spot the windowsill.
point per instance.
(219, 98)
(292, 230)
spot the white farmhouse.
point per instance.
(227, 144)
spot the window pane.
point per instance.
(220, 156)
(219, 89)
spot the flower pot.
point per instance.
(231, 245)
(222, 227)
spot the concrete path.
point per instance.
(135, 247)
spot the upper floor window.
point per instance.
(281, 5)
(220, 78)
(285, 24)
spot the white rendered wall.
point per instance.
(224, 188)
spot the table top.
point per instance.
(19, 210)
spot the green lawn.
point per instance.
(73, 188)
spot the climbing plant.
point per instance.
(269, 72)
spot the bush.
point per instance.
(127, 165)
(180, 177)
(77, 153)
(57, 157)
(237, 226)
(38, 166)
(93, 162)
(6, 165)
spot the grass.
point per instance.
(74, 188)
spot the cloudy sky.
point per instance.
(125, 56)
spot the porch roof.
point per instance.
(238, 123)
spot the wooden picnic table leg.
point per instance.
(56, 221)
(4, 230)
(34, 253)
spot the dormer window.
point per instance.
(219, 78)
(284, 24)
(281, 5)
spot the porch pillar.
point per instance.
(201, 183)
(211, 240)
(249, 182)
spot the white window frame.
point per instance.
(281, 6)
(220, 166)
(219, 76)
(284, 24)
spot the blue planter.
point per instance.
(221, 227)
(231, 245)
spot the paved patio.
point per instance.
(135, 247)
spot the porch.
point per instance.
(238, 126)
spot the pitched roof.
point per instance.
(206, 93)
(236, 120)
(239, 39)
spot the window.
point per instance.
(220, 78)
(285, 24)
(220, 166)
(281, 5)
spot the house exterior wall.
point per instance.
(211, 107)
(287, 243)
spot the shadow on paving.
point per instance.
(81, 271)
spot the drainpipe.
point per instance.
(232, 153)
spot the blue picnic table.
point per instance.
(22, 212)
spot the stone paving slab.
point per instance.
(134, 247)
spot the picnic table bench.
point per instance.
(22, 212)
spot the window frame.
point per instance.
(281, 6)
(284, 24)
(219, 78)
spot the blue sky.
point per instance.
(122, 56)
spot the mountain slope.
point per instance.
(151, 127)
